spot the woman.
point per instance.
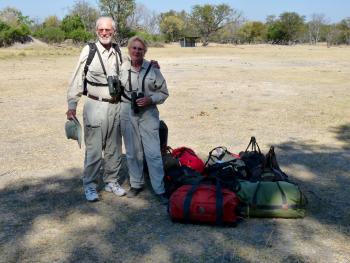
(145, 87)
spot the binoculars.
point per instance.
(114, 86)
(134, 97)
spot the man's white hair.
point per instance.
(98, 21)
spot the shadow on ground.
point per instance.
(48, 220)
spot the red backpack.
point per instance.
(187, 157)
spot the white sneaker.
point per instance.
(91, 194)
(115, 188)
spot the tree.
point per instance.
(14, 27)
(87, 13)
(14, 17)
(332, 33)
(119, 10)
(171, 25)
(344, 27)
(143, 19)
(74, 29)
(71, 23)
(286, 29)
(314, 26)
(252, 32)
(291, 25)
(51, 21)
(210, 18)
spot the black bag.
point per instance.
(177, 177)
(272, 171)
(254, 160)
(169, 161)
(226, 166)
(163, 137)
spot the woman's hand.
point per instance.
(143, 102)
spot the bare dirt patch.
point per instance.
(296, 98)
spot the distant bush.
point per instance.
(72, 23)
(50, 34)
(10, 35)
(80, 35)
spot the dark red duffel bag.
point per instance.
(204, 203)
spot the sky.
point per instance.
(334, 10)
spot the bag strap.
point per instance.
(92, 51)
(117, 50)
(144, 77)
(143, 80)
(219, 200)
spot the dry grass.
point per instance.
(295, 98)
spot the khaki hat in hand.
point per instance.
(73, 130)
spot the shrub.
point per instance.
(80, 35)
(50, 34)
(10, 35)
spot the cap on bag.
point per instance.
(73, 130)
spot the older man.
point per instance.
(101, 110)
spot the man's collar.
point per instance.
(102, 49)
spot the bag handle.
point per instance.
(211, 156)
(254, 145)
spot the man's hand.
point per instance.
(71, 114)
(143, 102)
(155, 64)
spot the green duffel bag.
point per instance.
(271, 199)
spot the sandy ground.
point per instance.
(296, 98)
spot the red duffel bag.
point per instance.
(204, 203)
(188, 158)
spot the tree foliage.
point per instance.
(208, 19)
(252, 32)
(51, 21)
(120, 11)
(314, 27)
(50, 34)
(87, 13)
(286, 29)
(344, 27)
(71, 23)
(171, 25)
(14, 27)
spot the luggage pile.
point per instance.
(229, 187)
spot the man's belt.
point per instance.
(114, 100)
(97, 84)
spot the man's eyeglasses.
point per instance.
(108, 30)
(138, 48)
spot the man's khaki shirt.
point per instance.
(94, 74)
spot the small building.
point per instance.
(188, 41)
